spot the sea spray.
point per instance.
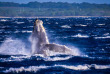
(13, 47)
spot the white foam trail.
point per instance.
(72, 67)
(13, 47)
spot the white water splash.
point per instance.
(17, 47)
(13, 47)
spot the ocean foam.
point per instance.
(29, 69)
(72, 67)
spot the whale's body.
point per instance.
(40, 42)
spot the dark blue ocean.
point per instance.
(89, 38)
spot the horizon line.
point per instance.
(55, 2)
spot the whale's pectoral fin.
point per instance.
(57, 48)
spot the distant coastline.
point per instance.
(53, 9)
(55, 17)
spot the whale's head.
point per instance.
(38, 22)
(38, 37)
(38, 26)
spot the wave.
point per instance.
(80, 25)
(80, 36)
(100, 24)
(3, 20)
(29, 69)
(19, 22)
(65, 26)
(72, 67)
(85, 67)
(57, 58)
(105, 37)
(15, 58)
(23, 31)
(38, 57)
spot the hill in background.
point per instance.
(32, 9)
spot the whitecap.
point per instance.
(84, 25)
(26, 31)
(29, 69)
(72, 67)
(19, 22)
(3, 20)
(80, 25)
(100, 24)
(106, 34)
(79, 67)
(56, 22)
(58, 58)
(85, 67)
(88, 19)
(106, 37)
(80, 36)
(65, 26)
(23, 31)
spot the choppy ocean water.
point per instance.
(88, 37)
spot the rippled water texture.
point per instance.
(89, 38)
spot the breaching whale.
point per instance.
(40, 42)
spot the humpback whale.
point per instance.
(40, 42)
